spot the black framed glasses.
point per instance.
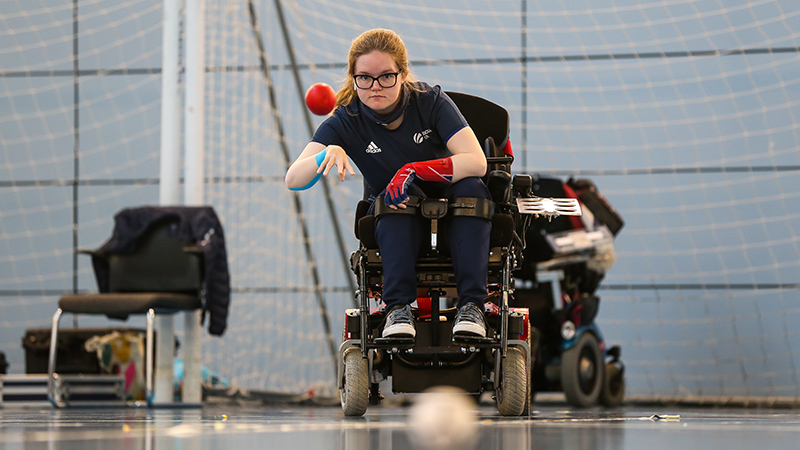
(386, 81)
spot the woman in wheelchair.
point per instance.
(407, 138)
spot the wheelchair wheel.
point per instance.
(355, 389)
(614, 386)
(528, 409)
(583, 371)
(512, 390)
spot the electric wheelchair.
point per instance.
(565, 260)
(501, 361)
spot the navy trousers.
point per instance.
(402, 237)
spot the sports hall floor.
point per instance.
(552, 426)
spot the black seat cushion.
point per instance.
(122, 304)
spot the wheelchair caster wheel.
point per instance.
(355, 390)
(614, 385)
(512, 392)
(583, 372)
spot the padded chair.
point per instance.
(161, 276)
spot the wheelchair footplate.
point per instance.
(398, 342)
(472, 340)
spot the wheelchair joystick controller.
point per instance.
(522, 185)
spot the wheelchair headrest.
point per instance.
(486, 118)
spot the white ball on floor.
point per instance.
(444, 418)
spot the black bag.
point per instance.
(72, 357)
(592, 198)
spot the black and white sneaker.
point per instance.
(470, 321)
(399, 323)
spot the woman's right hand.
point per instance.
(336, 156)
(315, 161)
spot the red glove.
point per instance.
(440, 170)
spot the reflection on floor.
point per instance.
(552, 426)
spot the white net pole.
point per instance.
(194, 156)
(169, 179)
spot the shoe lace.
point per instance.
(471, 313)
(400, 315)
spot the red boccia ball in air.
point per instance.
(320, 99)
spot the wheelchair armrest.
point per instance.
(499, 184)
(495, 155)
(499, 160)
(361, 210)
(366, 232)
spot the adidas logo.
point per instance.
(373, 148)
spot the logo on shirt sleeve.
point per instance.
(373, 148)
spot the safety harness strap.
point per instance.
(458, 206)
(472, 207)
(412, 206)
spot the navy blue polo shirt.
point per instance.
(430, 120)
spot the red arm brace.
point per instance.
(440, 170)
